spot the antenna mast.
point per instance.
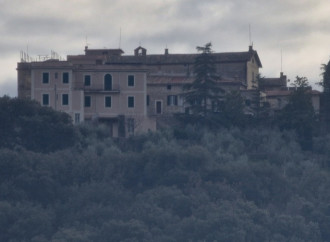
(250, 42)
(120, 38)
(281, 61)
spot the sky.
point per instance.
(292, 36)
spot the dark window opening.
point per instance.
(130, 80)
(172, 100)
(65, 77)
(131, 102)
(88, 101)
(107, 101)
(158, 107)
(65, 99)
(87, 80)
(45, 77)
(77, 118)
(108, 82)
(130, 125)
(45, 99)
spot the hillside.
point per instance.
(193, 185)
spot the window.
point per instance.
(45, 99)
(88, 101)
(148, 100)
(130, 125)
(87, 80)
(158, 107)
(56, 75)
(169, 87)
(172, 100)
(77, 118)
(45, 77)
(107, 82)
(107, 101)
(65, 77)
(248, 102)
(130, 80)
(130, 101)
(65, 99)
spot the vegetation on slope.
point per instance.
(191, 184)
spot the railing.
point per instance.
(95, 88)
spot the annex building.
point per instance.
(129, 92)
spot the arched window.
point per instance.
(107, 82)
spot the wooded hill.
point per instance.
(187, 183)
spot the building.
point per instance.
(277, 93)
(88, 87)
(130, 92)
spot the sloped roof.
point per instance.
(183, 80)
(273, 82)
(190, 58)
(275, 93)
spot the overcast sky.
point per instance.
(300, 29)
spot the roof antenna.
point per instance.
(250, 42)
(86, 42)
(120, 38)
(281, 61)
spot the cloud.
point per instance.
(299, 28)
(8, 88)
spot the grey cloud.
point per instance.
(8, 88)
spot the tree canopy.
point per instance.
(204, 91)
(25, 123)
(325, 97)
(299, 113)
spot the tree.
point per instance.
(325, 83)
(25, 123)
(204, 91)
(232, 109)
(260, 107)
(299, 113)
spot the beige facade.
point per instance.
(129, 92)
(87, 89)
(78, 85)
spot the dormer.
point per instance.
(140, 51)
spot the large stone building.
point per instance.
(88, 87)
(129, 92)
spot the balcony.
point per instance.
(96, 88)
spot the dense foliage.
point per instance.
(24, 123)
(299, 113)
(204, 92)
(187, 184)
(325, 98)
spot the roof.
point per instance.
(190, 58)
(183, 80)
(273, 82)
(103, 51)
(282, 93)
(169, 80)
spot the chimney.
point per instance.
(166, 51)
(250, 48)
